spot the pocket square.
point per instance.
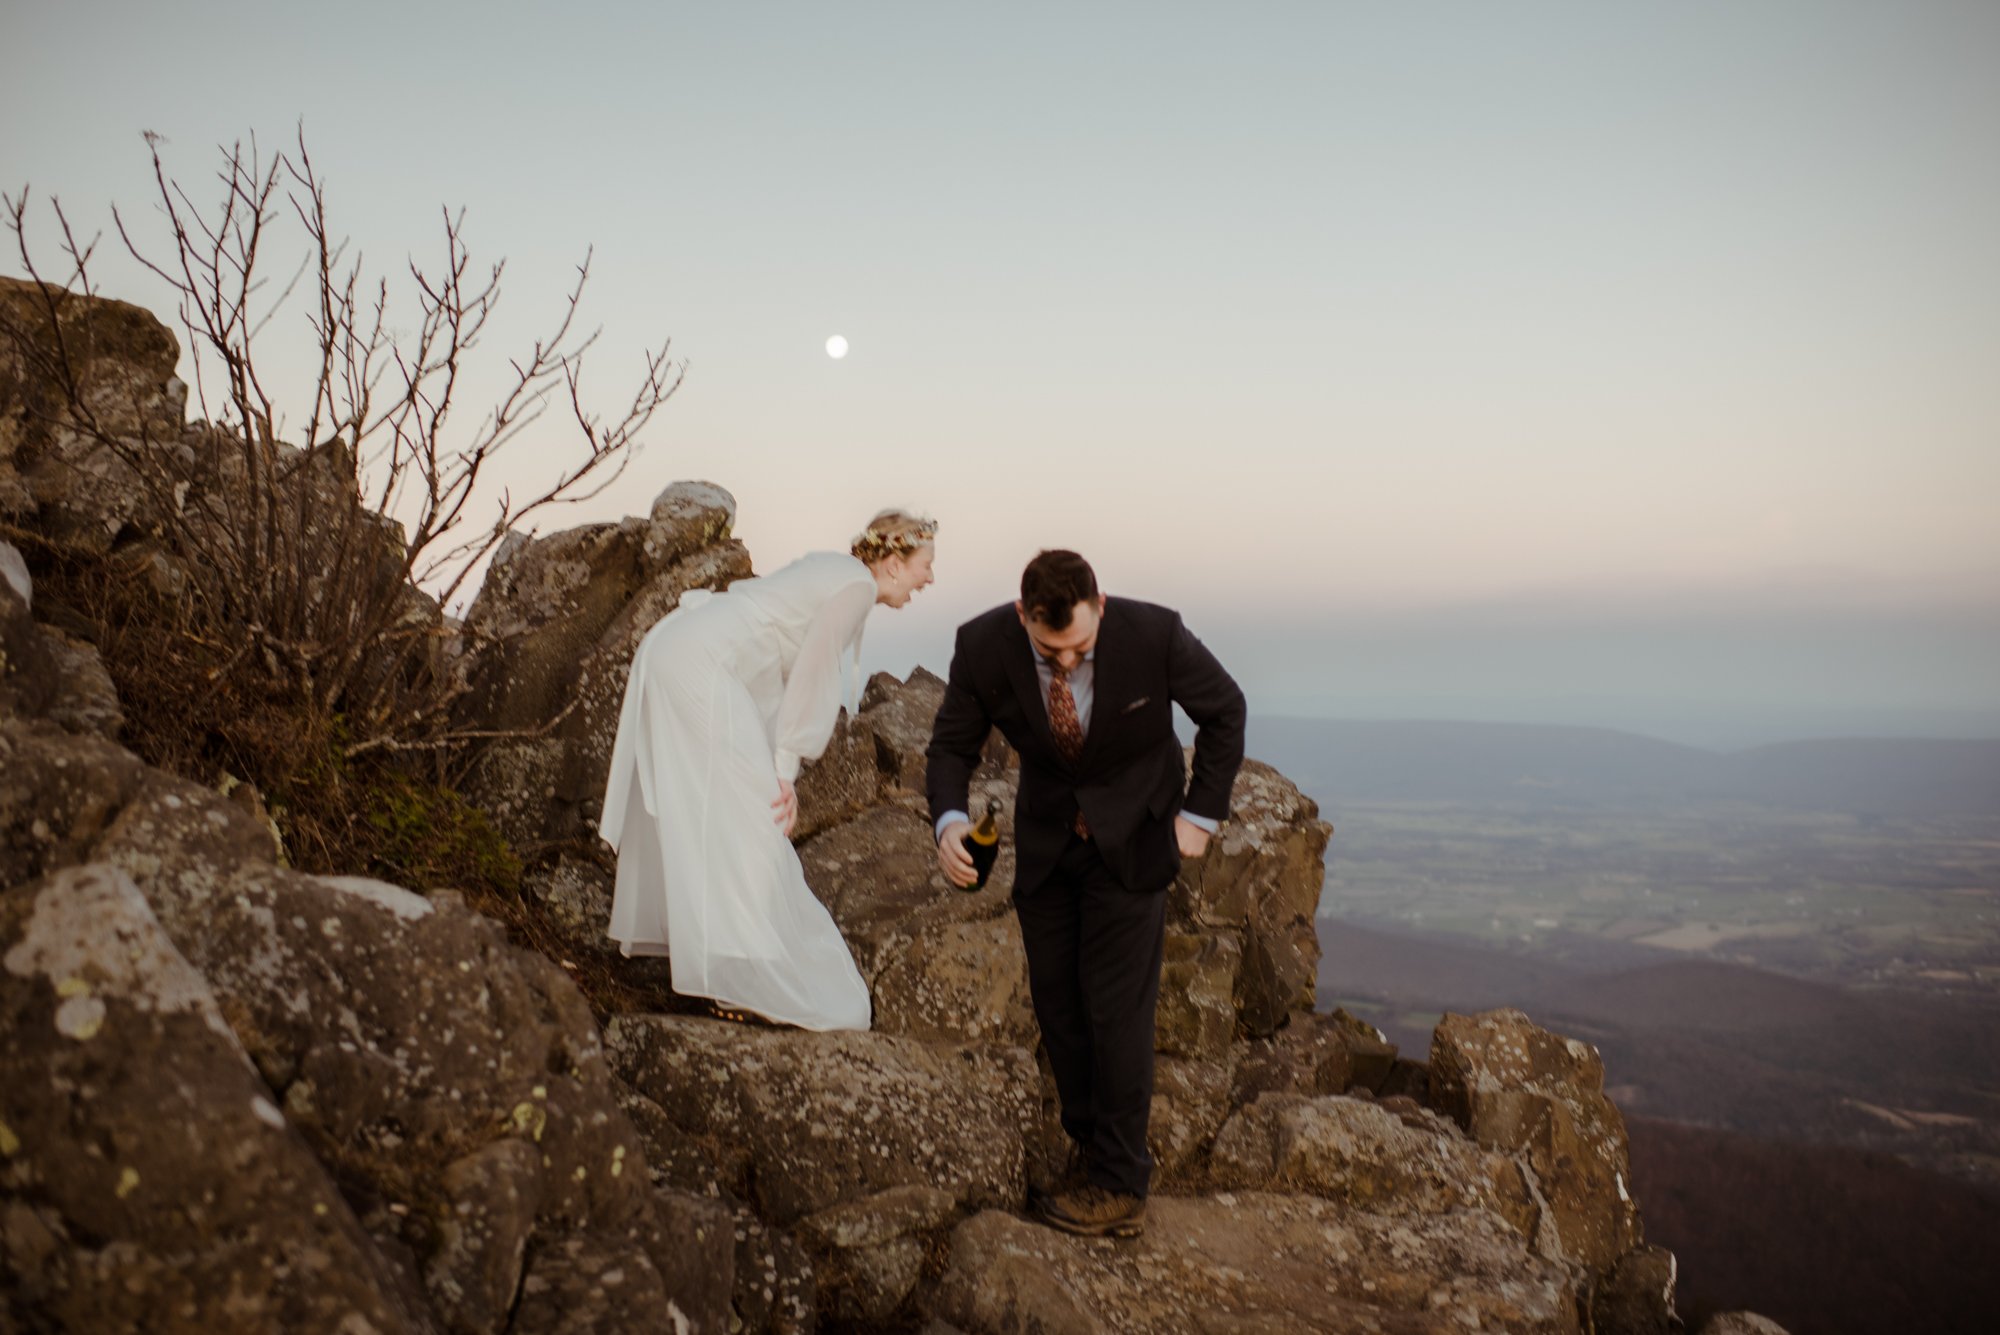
(1142, 700)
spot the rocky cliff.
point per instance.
(238, 1097)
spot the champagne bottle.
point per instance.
(983, 843)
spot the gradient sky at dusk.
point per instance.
(1625, 364)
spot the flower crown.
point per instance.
(874, 543)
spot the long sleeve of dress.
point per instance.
(812, 692)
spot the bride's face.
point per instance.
(901, 576)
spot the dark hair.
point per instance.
(1053, 584)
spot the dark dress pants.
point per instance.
(1094, 950)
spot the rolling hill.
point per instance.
(1339, 761)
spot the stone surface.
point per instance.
(829, 1118)
(58, 791)
(1362, 1155)
(899, 715)
(1515, 1086)
(1741, 1323)
(1253, 1261)
(693, 1165)
(77, 490)
(871, 1251)
(1637, 1296)
(148, 1176)
(1190, 1101)
(45, 673)
(84, 699)
(489, 1200)
(958, 981)
(573, 893)
(588, 1283)
(775, 1288)
(1261, 878)
(550, 641)
(1196, 1016)
(1314, 1054)
(845, 779)
(399, 1035)
(878, 876)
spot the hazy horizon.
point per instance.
(1629, 366)
(1717, 681)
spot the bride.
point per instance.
(728, 693)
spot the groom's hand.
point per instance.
(953, 860)
(1191, 837)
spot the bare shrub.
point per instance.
(300, 569)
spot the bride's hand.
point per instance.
(785, 811)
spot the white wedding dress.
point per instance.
(729, 692)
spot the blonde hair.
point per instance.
(893, 533)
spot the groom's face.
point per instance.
(1066, 647)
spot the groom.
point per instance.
(1084, 687)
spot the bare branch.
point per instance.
(293, 550)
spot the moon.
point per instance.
(836, 347)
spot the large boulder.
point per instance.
(1361, 1154)
(1261, 879)
(1321, 1053)
(878, 876)
(45, 673)
(1637, 1296)
(1196, 1016)
(1254, 1261)
(148, 1178)
(58, 792)
(864, 1147)
(1190, 1102)
(831, 1118)
(56, 465)
(898, 715)
(963, 981)
(873, 1249)
(550, 640)
(941, 964)
(454, 1085)
(1516, 1087)
(847, 778)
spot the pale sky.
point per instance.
(1582, 362)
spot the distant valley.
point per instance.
(1866, 863)
(1828, 1156)
(1714, 1044)
(1789, 958)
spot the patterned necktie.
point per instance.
(1063, 722)
(1066, 728)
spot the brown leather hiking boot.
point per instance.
(1092, 1211)
(1075, 1173)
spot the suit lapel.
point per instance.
(1020, 657)
(1104, 677)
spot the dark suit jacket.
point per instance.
(1130, 779)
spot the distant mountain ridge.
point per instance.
(1339, 760)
